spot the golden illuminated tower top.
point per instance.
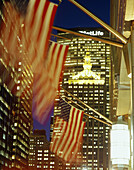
(87, 75)
(87, 64)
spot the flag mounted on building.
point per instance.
(46, 81)
(10, 33)
(25, 33)
(68, 133)
(37, 29)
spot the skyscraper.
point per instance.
(22, 120)
(87, 76)
(6, 131)
(16, 117)
(39, 154)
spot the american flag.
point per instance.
(37, 29)
(26, 37)
(68, 132)
(10, 32)
(29, 32)
(46, 81)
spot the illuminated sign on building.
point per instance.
(93, 33)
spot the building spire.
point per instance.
(87, 73)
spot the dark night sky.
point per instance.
(70, 16)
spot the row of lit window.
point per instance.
(25, 132)
(40, 154)
(39, 166)
(46, 151)
(4, 102)
(22, 141)
(41, 158)
(4, 154)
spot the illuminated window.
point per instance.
(13, 156)
(39, 150)
(45, 150)
(15, 124)
(14, 137)
(18, 87)
(52, 162)
(4, 136)
(39, 158)
(45, 158)
(38, 166)
(45, 166)
(19, 69)
(45, 154)
(39, 154)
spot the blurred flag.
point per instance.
(25, 38)
(27, 34)
(37, 29)
(10, 32)
(68, 133)
(10, 45)
(46, 81)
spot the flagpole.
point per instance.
(102, 23)
(99, 114)
(97, 119)
(107, 41)
(60, 37)
(74, 102)
(86, 113)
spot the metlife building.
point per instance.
(87, 77)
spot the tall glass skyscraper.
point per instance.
(15, 113)
(22, 121)
(87, 76)
(6, 131)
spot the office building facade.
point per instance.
(39, 154)
(87, 77)
(16, 118)
(22, 120)
(6, 131)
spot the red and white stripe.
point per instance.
(46, 81)
(67, 137)
(30, 41)
(10, 30)
(35, 35)
(37, 29)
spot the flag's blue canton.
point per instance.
(65, 110)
